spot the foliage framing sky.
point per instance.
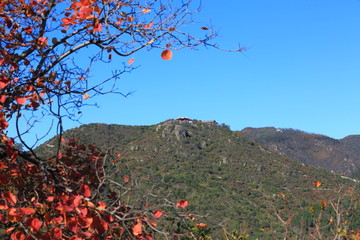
(301, 70)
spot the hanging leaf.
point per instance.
(131, 61)
(20, 100)
(146, 10)
(86, 96)
(166, 55)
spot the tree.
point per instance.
(64, 196)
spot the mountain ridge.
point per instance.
(226, 176)
(338, 155)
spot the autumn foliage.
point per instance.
(68, 195)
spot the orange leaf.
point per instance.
(147, 26)
(101, 205)
(182, 203)
(3, 207)
(85, 190)
(316, 183)
(131, 61)
(158, 213)
(137, 229)
(9, 198)
(9, 230)
(201, 225)
(146, 10)
(166, 55)
(86, 96)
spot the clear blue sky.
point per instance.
(301, 70)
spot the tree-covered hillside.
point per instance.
(230, 180)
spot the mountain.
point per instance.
(234, 182)
(340, 156)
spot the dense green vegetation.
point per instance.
(230, 181)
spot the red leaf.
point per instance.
(166, 55)
(85, 222)
(72, 225)
(50, 198)
(126, 179)
(158, 213)
(204, 28)
(20, 100)
(17, 236)
(4, 81)
(42, 41)
(34, 224)
(137, 229)
(2, 98)
(9, 198)
(4, 179)
(182, 203)
(26, 210)
(100, 225)
(56, 233)
(28, 30)
(3, 123)
(85, 190)
(97, 27)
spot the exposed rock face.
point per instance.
(173, 128)
(180, 132)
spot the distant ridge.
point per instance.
(340, 156)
